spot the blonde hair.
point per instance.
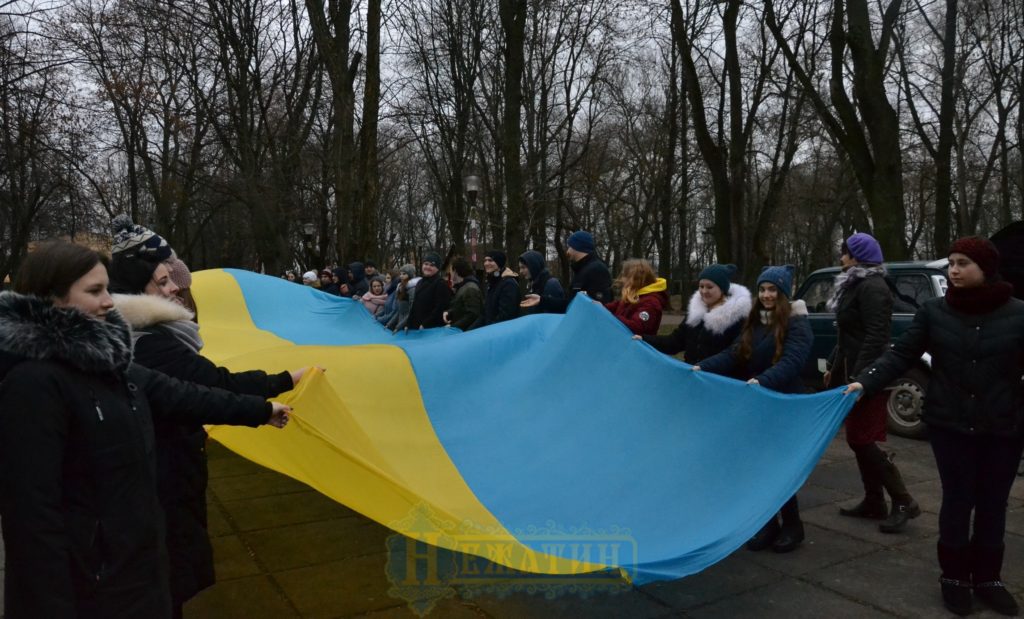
(636, 273)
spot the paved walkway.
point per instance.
(286, 551)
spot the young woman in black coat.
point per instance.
(167, 340)
(714, 317)
(82, 524)
(863, 305)
(974, 409)
(771, 351)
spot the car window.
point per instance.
(819, 291)
(912, 286)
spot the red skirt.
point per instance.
(866, 422)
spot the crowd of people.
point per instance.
(104, 393)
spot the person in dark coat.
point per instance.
(359, 285)
(642, 299)
(714, 317)
(432, 296)
(329, 282)
(862, 303)
(539, 280)
(82, 525)
(502, 301)
(167, 340)
(589, 275)
(771, 351)
(468, 305)
(974, 408)
(391, 305)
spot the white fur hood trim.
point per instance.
(799, 308)
(735, 309)
(145, 310)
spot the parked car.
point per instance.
(912, 284)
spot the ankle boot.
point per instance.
(766, 536)
(904, 507)
(957, 594)
(792, 533)
(873, 505)
(986, 565)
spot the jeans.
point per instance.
(977, 473)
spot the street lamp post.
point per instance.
(472, 183)
(308, 230)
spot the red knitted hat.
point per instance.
(980, 250)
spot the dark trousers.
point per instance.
(977, 473)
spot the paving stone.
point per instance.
(891, 579)
(216, 523)
(263, 483)
(312, 543)
(628, 603)
(255, 596)
(785, 600)
(821, 548)
(827, 517)
(841, 476)
(446, 609)
(232, 558)
(341, 588)
(279, 510)
(734, 575)
(813, 495)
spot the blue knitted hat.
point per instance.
(581, 240)
(781, 276)
(721, 274)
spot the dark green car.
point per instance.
(913, 284)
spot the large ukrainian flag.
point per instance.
(519, 433)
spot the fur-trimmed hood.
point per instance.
(145, 310)
(799, 308)
(33, 329)
(718, 320)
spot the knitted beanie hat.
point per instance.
(863, 248)
(498, 257)
(581, 240)
(980, 250)
(720, 274)
(134, 240)
(780, 276)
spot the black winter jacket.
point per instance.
(706, 333)
(429, 303)
(864, 320)
(782, 376)
(589, 275)
(502, 301)
(82, 524)
(975, 385)
(165, 341)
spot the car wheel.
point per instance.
(906, 400)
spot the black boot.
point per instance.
(904, 507)
(955, 579)
(792, 533)
(986, 565)
(873, 505)
(766, 536)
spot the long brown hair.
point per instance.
(636, 274)
(779, 325)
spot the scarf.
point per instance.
(980, 299)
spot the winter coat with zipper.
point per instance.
(705, 332)
(430, 303)
(166, 340)
(975, 384)
(468, 304)
(82, 523)
(589, 275)
(359, 284)
(502, 301)
(783, 375)
(374, 303)
(644, 316)
(863, 310)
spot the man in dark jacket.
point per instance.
(432, 296)
(359, 284)
(539, 280)
(589, 275)
(468, 304)
(502, 301)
